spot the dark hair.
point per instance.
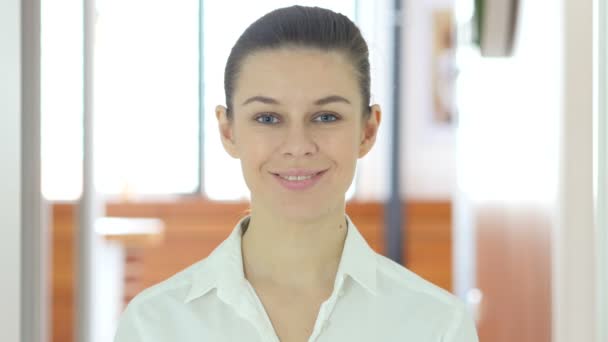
(301, 26)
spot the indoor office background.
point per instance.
(491, 149)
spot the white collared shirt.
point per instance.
(374, 299)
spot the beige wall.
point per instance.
(10, 174)
(574, 273)
(602, 171)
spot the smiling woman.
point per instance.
(297, 117)
(306, 121)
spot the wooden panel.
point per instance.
(62, 273)
(514, 272)
(194, 227)
(428, 241)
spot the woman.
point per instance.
(297, 116)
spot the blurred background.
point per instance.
(488, 178)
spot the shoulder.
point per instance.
(196, 279)
(145, 317)
(173, 289)
(398, 282)
(423, 305)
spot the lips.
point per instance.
(298, 179)
(298, 174)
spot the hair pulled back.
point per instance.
(299, 26)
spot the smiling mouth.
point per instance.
(298, 176)
(299, 180)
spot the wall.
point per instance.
(574, 272)
(10, 179)
(601, 175)
(428, 161)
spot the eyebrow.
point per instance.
(263, 99)
(319, 102)
(331, 99)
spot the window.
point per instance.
(60, 100)
(146, 96)
(154, 82)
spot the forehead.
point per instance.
(296, 74)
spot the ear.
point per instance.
(226, 128)
(370, 130)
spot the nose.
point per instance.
(299, 142)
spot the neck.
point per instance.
(294, 253)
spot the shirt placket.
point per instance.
(323, 319)
(257, 314)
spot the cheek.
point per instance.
(253, 139)
(255, 147)
(342, 144)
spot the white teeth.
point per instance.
(296, 178)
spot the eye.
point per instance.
(267, 119)
(326, 117)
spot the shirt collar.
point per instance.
(223, 269)
(358, 259)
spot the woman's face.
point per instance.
(298, 129)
